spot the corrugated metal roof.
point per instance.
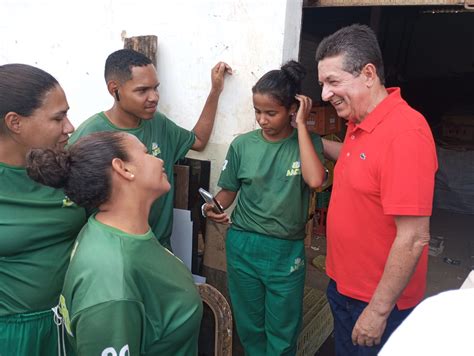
(345, 3)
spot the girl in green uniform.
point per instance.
(124, 293)
(38, 224)
(273, 169)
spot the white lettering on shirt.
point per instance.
(110, 351)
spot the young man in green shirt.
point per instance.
(133, 82)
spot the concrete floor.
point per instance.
(458, 233)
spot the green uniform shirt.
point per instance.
(273, 197)
(164, 139)
(127, 292)
(38, 226)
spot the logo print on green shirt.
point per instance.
(295, 169)
(110, 351)
(65, 314)
(155, 149)
(67, 202)
(74, 250)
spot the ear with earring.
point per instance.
(293, 119)
(130, 173)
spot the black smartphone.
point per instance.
(209, 198)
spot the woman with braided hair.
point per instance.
(124, 293)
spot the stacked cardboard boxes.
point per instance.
(323, 120)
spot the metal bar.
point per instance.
(346, 3)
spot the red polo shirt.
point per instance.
(386, 168)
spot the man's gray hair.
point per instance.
(359, 46)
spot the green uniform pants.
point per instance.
(266, 278)
(32, 334)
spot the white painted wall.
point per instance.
(71, 40)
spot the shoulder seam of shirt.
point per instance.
(76, 314)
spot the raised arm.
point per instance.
(311, 167)
(331, 149)
(205, 123)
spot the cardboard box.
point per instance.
(323, 120)
(458, 127)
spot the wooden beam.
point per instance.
(144, 44)
(181, 192)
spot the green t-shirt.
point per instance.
(127, 292)
(273, 198)
(164, 139)
(38, 226)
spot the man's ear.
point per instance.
(370, 73)
(120, 167)
(13, 122)
(113, 88)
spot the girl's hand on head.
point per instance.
(304, 109)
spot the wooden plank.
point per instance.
(347, 3)
(318, 322)
(144, 44)
(181, 192)
(214, 252)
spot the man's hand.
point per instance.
(217, 76)
(211, 214)
(369, 328)
(412, 237)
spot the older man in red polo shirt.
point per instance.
(378, 219)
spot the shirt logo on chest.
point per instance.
(67, 202)
(295, 169)
(155, 149)
(362, 156)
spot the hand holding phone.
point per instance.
(209, 198)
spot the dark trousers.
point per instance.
(346, 311)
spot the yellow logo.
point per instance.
(65, 314)
(155, 149)
(74, 250)
(295, 169)
(67, 202)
